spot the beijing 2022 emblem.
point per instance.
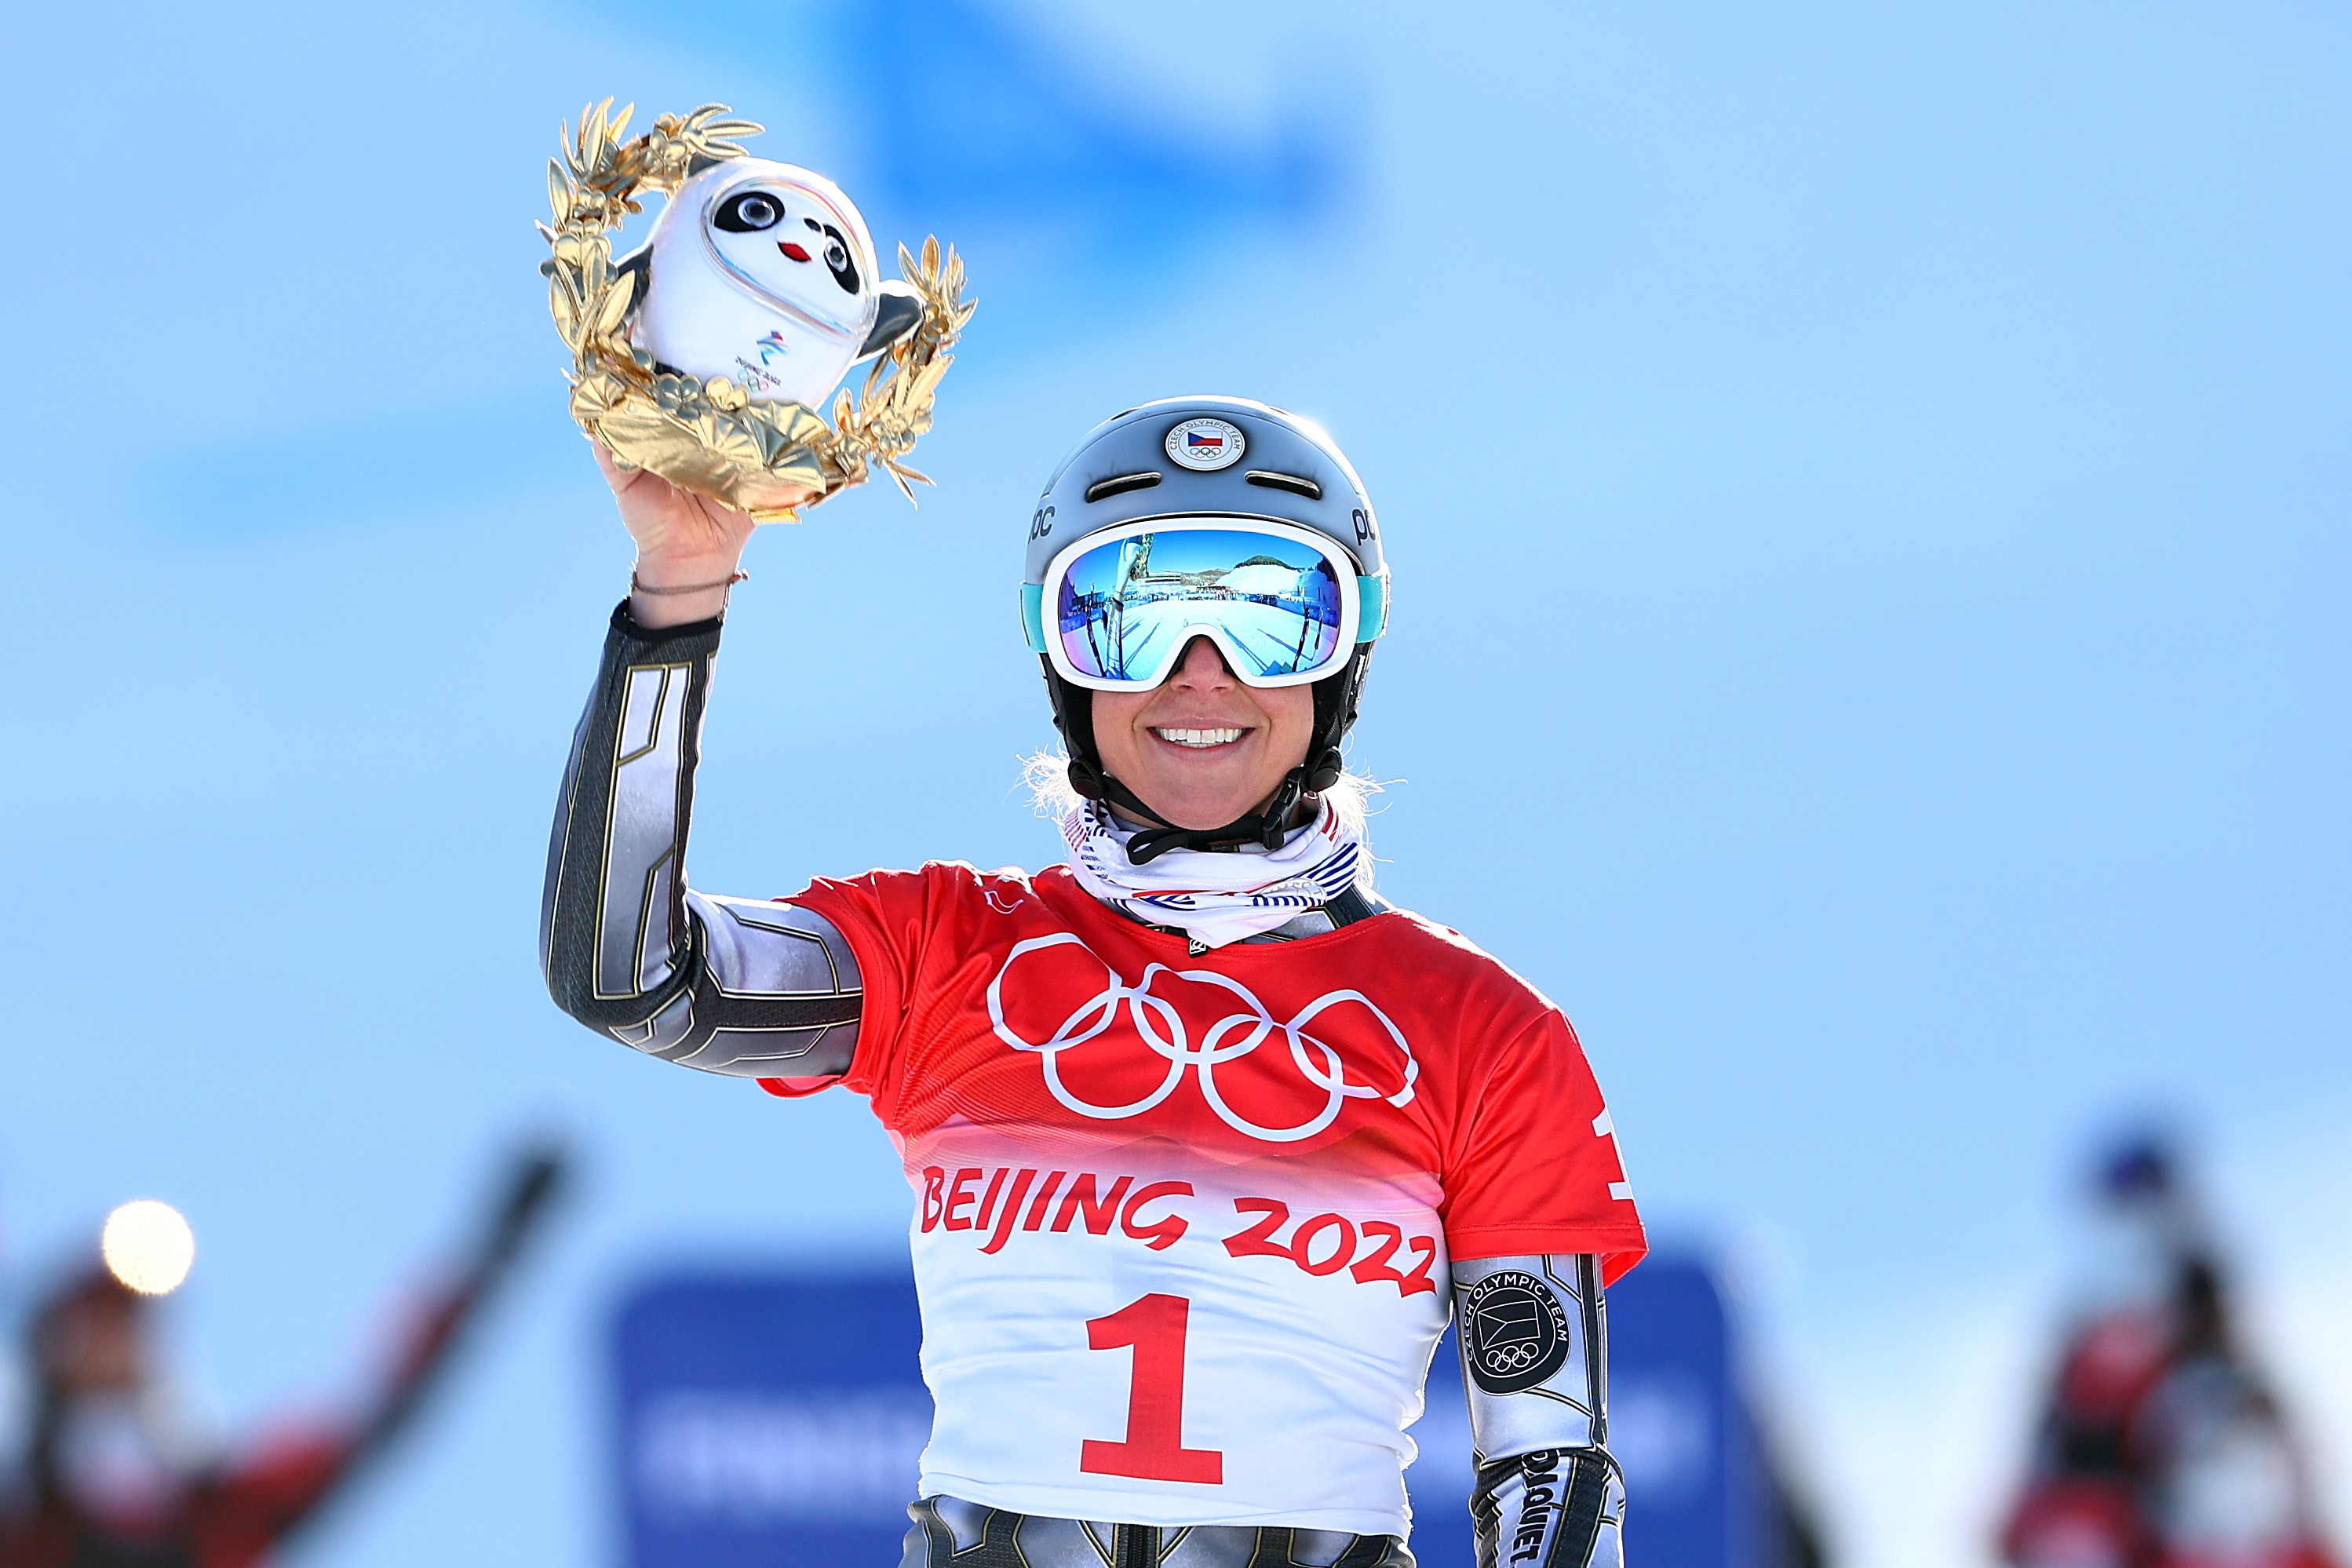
(1515, 1332)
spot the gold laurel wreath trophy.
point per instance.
(769, 458)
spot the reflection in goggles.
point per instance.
(1123, 605)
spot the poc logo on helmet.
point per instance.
(1205, 445)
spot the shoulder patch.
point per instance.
(1515, 1332)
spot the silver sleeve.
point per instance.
(729, 986)
(1534, 1336)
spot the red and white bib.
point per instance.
(1183, 1223)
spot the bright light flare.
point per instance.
(148, 1246)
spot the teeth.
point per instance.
(1199, 737)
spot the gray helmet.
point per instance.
(1219, 456)
(1281, 466)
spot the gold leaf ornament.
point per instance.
(769, 460)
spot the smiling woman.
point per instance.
(1197, 1123)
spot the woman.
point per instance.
(1206, 1139)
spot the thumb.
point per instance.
(617, 474)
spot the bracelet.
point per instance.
(638, 587)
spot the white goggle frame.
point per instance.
(1363, 601)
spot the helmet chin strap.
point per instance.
(1335, 711)
(1266, 827)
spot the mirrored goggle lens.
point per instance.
(1123, 608)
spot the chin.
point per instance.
(1196, 822)
(1188, 810)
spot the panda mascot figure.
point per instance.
(764, 274)
(709, 354)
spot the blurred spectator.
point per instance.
(2159, 1444)
(107, 1479)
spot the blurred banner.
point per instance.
(769, 1419)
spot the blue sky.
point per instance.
(1927, 426)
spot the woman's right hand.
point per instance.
(682, 538)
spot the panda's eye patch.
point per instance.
(748, 213)
(837, 259)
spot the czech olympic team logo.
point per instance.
(1171, 1025)
(1204, 446)
(1515, 1332)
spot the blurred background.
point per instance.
(1868, 489)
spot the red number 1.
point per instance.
(1154, 1449)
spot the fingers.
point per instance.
(618, 477)
(774, 509)
(659, 513)
(730, 523)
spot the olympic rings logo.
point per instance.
(1511, 1358)
(1232, 1037)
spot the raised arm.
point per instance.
(729, 986)
(1535, 1352)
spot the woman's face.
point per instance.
(1202, 748)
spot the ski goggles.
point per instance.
(1284, 605)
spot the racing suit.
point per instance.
(1189, 1225)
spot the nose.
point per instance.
(1202, 667)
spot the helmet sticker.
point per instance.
(1205, 445)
